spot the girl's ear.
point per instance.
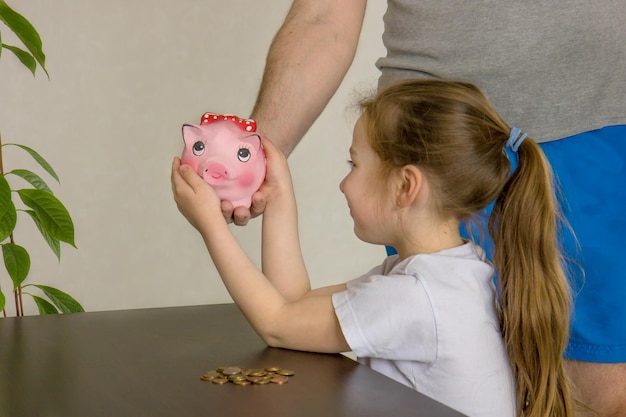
(411, 182)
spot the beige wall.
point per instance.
(124, 76)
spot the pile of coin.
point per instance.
(240, 375)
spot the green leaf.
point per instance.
(8, 214)
(54, 244)
(3, 301)
(17, 263)
(25, 58)
(40, 160)
(34, 179)
(25, 32)
(62, 300)
(44, 306)
(54, 217)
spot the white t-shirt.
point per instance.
(429, 322)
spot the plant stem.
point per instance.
(1, 166)
(19, 301)
(19, 291)
(2, 173)
(19, 305)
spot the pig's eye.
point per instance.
(198, 148)
(243, 155)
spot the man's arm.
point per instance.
(306, 62)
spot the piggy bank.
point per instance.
(226, 152)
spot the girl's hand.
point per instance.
(196, 199)
(277, 176)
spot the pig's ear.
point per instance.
(190, 132)
(254, 140)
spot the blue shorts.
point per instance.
(590, 171)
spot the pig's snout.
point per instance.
(215, 171)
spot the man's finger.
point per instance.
(227, 210)
(241, 215)
(258, 204)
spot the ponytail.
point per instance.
(535, 297)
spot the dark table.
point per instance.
(149, 362)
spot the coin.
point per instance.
(209, 375)
(242, 382)
(231, 370)
(257, 372)
(220, 381)
(285, 372)
(261, 381)
(280, 379)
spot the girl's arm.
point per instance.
(307, 322)
(282, 259)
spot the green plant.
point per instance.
(49, 214)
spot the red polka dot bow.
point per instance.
(247, 125)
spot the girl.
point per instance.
(426, 156)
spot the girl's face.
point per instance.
(365, 190)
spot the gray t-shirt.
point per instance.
(551, 68)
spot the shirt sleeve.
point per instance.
(389, 317)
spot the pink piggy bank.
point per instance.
(226, 152)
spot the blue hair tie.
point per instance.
(515, 139)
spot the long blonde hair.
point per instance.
(452, 133)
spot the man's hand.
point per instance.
(277, 184)
(241, 215)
